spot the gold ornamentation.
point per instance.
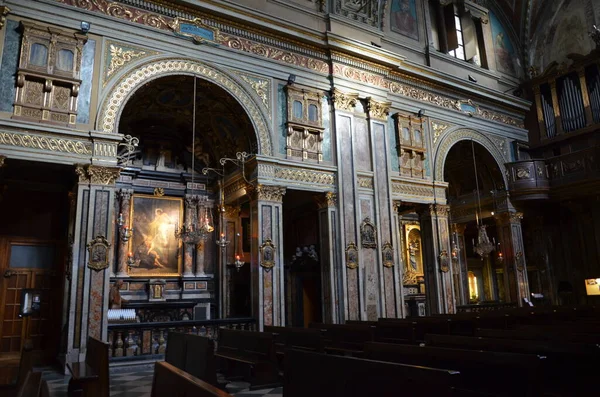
(159, 191)
(136, 78)
(327, 200)
(262, 87)
(303, 175)
(387, 252)
(501, 145)
(231, 212)
(365, 182)
(444, 261)
(368, 234)
(523, 173)
(519, 260)
(45, 143)
(4, 10)
(355, 74)
(438, 129)
(98, 251)
(97, 175)
(378, 110)
(269, 193)
(119, 56)
(175, 26)
(267, 255)
(351, 256)
(344, 101)
(331, 198)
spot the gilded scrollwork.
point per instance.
(262, 87)
(344, 101)
(97, 175)
(438, 129)
(118, 55)
(45, 143)
(365, 182)
(378, 110)
(129, 83)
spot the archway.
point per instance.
(143, 73)
(475, 183)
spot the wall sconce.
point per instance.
(85, 27)
(125, 232)
(238, 261)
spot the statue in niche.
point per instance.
(160, 162)
(413, 246)
(368, 234)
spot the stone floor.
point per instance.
(136, 381)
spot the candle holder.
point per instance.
(222, 242)
(238, 263)
(130, 261)
(125, 232)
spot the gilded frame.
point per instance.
(155, 249)
(351, 256)
(368, 234)
(98, 253)
(387, 254)
(444, 261)
(267, 255)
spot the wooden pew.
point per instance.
(171, 381)
(568, 369)
(253, 352)
(309, 339)
(395, 332)
(323, 375)
(520, 373)
(193, 354)
(91, 378)
(550, 333)
(345, 339)
(31, 385)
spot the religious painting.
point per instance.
(98, 250)
(351, 256)
(154, 247)
(267, 255)
(506, 59)
(403, 18)
(368, 234)
(387, 252)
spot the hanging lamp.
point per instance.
(484, 246)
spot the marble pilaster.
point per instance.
(508, 225)
(267, 283)
(330, 261)
(437, 258)
(89, 288)
(459, 264)
(191, 203)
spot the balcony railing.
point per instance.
(149, 340)
(579, 166)
(528, 179)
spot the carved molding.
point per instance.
(142, 74)
(365, 182)
(268, 193)
(378, 110)
(97, 175)
(46, 143)
(118, 55)
(4, 10)
(412, 191)
(344, 101)
(302, 175)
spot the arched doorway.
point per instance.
(167, 160)
(475, 184)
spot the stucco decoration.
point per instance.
(464, 134)
(141, 74)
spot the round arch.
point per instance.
(466, 134)
(140, 74)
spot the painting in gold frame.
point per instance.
(154, 248)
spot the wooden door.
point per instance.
(35, 264)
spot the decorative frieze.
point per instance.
(97, 175)
(296, 175)
(415, 191)
(46, 143)
(365, 182)
(344, 101)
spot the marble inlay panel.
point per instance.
(327, 138)
(96, 303)
(393, 144)
(388, 284)
(10, 63)
(266, 222)
(371, 283)
(343, 127)
(268, 297)
(363, 146)
(81, 266)
(282, 117)
(87, 75)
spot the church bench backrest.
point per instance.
(175, 353)
(395, 332)
(97, 358)
(173, 382)
(316, 375)
(200, 358)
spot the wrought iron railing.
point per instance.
(149, 340)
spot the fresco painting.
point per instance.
(506, 59)
(404, 18)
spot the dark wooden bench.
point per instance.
(345, 339)
(323, 375)
(193, 354)
(309, 339)
(549, 333)
(173, 382)
(521, 374)
(31, 386)
(90, 378)
(249, 351)
(395, 332)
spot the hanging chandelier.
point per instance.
(484, 246)
(191, 233)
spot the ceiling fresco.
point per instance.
(161, 113)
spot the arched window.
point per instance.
(38, 55)
(297, 110)
(312, 112)
(64, 60)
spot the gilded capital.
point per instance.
(378, 110)
(344, 101)
(268, 193)
(231, 211)
(4, 10)
(97, 175)
(327, 200)
(509, 217)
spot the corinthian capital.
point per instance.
(344, 101)
(268, 193)
(97, 175)
(378, 110)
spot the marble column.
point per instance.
(331, 265)
(89, 288)
(203, 210)
(352, 303)
(459, 268)
(125, 196)
(398, 241)
(191, 204)
(436, 250)
(508, 225)
(268, 300)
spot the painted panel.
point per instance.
(393, 144)
(403, 18)
(506, 59)
(10, 62)
(363, 146)
(326, 116)
(87, 74)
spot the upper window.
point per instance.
(459, 52)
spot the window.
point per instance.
(459, 51)
(304, 124)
